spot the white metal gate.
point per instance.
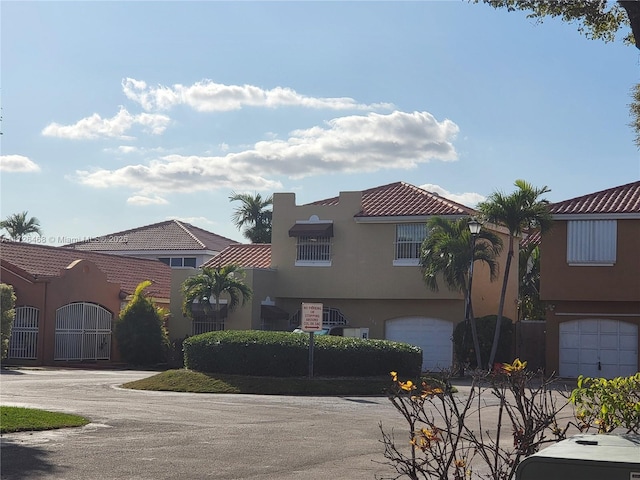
(83, 332)
(23, 342)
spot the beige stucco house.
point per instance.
(357, 254)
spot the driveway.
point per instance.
(166, 435)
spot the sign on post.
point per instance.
(311, 322)
(311, 317)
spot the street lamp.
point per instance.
(474, 229)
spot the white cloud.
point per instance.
(345, 145)
(208, 96)
(143, 201)
(468, 199)
(17, 163)
(95, 126)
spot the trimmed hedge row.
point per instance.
(286, 354)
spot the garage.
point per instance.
(598, 348)
(433, 335)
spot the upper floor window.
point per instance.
(409, 238)
(591, 242)
(313, 250)
(313, 241)
(179, 261)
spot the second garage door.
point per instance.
(598, 348)
(433, 335)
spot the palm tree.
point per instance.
(447, 251)
(518, 212)
(18, 226)
(214, 282)
(253, 215)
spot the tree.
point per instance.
(596, 19)
(141, 336)
(17, 226)
(520, 211)
(447, 252)
(253, 216)
(529, 304)
(7, 304)
(214, 282)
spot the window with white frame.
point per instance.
(313, 250)
(409, 238)
(591, 242)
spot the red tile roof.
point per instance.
(401, 199)
(168, 235)
(616, 200)
(252, 255)
(46, 261)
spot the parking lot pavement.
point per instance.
(169, 435)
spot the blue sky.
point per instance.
(123, 114)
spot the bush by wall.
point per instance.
(285, 354)
(141, 337)
(7, 311)
(463, 342)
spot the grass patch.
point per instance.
(198, 382)
(18, 419)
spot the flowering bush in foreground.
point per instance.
(448, 433)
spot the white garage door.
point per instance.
(431, 334)
(598, 348)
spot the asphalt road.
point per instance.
(166, 435)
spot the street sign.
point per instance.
(311, 317)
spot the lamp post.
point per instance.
(474, 228)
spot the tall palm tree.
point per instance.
(520, 211)
(447, 251)
(253, 216)
(17, 226)
(214, 282)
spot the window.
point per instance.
(409, 238)
(313, 251)
(591, 242)
(179, 261)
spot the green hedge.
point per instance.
(286, 354)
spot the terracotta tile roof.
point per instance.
(46, 261)
(168, 235)
(531, 239)
(401, 199)
(251, 255)
(616, 200)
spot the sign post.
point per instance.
(311, 322)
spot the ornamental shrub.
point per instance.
(141, 336)
(463, 341)
(286, 354)
(8, 302)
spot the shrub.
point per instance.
(8, 303)
(608, 404)
(463, 342)
(141, 337)
(285, 354)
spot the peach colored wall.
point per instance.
(620, 282)
(82, 281)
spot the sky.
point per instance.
(117, 115)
